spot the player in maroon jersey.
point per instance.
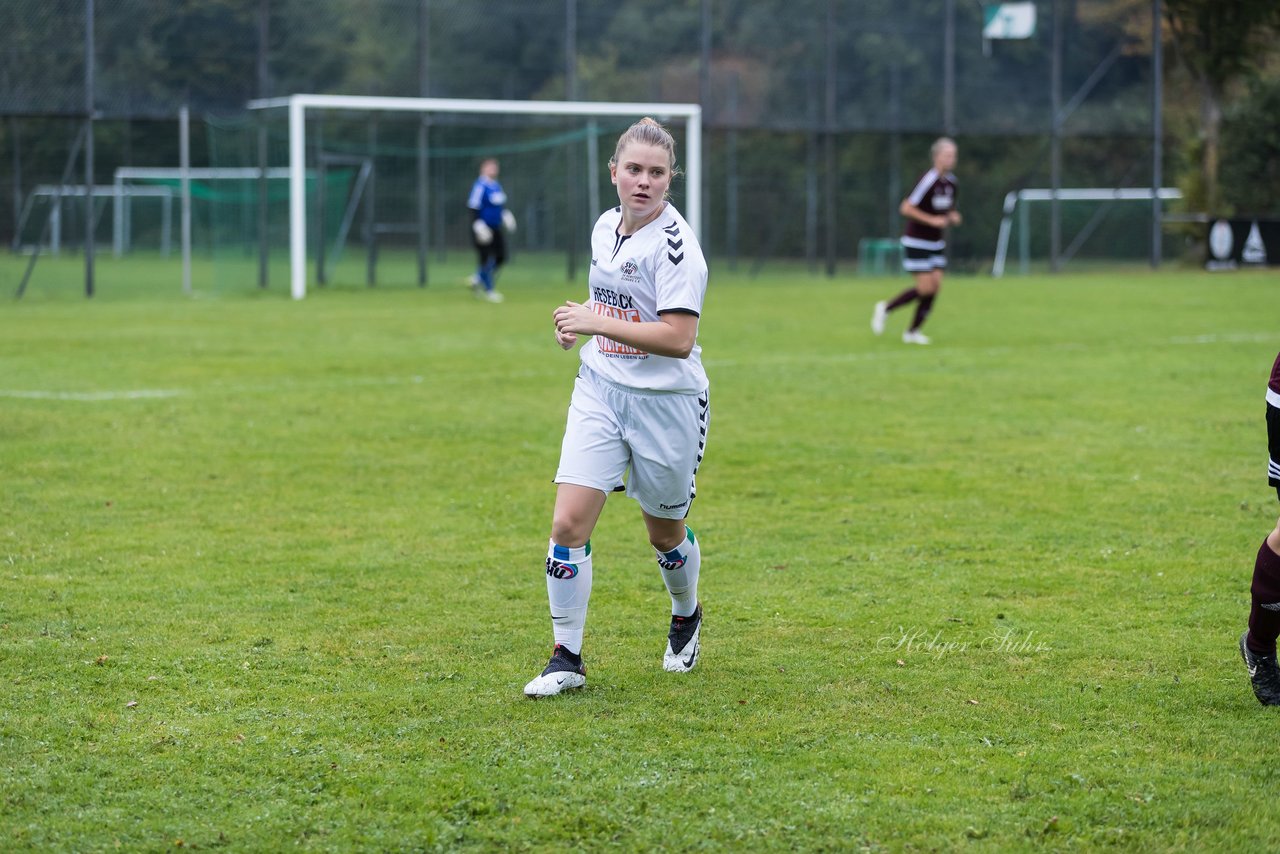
(929, 210)
(1258, 644)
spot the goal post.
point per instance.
(297, 107)
(1020, 201)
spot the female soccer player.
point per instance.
(639, 403)
(1258, 644)
(929, 210)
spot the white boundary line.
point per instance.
(892, 352)
(1226, 338)
(135, 394)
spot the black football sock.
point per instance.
(1264, 612)
(901, 299)
(922, 311)
(573, 657)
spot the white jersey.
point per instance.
(635, 278)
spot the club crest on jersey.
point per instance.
(560, 569)
(630, 270)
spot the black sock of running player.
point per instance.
(1264, 612)
(901, 299)
(922, 311)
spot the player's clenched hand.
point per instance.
(954, 218)
(573, 317)
(566, 340)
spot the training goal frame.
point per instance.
(1020, 200)
(298, 105)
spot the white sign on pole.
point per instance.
(1009, 21)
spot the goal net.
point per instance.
(223, 205)
(1101, 223)
(365, 191)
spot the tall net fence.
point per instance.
(817, 114)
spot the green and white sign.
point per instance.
(1009, 21)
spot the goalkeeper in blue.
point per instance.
(489, 219)
(639, 407)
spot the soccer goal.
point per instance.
(1084, 209)
(411, 141)
(53, 202)
(212, 189)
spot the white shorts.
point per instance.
(659, 436)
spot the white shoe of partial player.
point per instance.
(683, 643)
(910, 337)
(877, 318)
(493, 296)
(561, 674)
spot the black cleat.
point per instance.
(682, 642)
(1264, 674)
(564, 671)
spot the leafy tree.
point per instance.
(1251, 150)
(42, 59)
(1220, 44)
(198, 51)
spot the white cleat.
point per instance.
(878, 316)
(910, 337)
(560, 675)
(493, 296)
(550, 684)
(683, 643)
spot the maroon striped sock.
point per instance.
(1264, 612)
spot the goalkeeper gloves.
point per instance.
(482, 231)
(509, 220)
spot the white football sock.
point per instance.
(680, 573)
(568, 590)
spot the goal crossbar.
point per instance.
(297, 106)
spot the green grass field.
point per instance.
(271, 573)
